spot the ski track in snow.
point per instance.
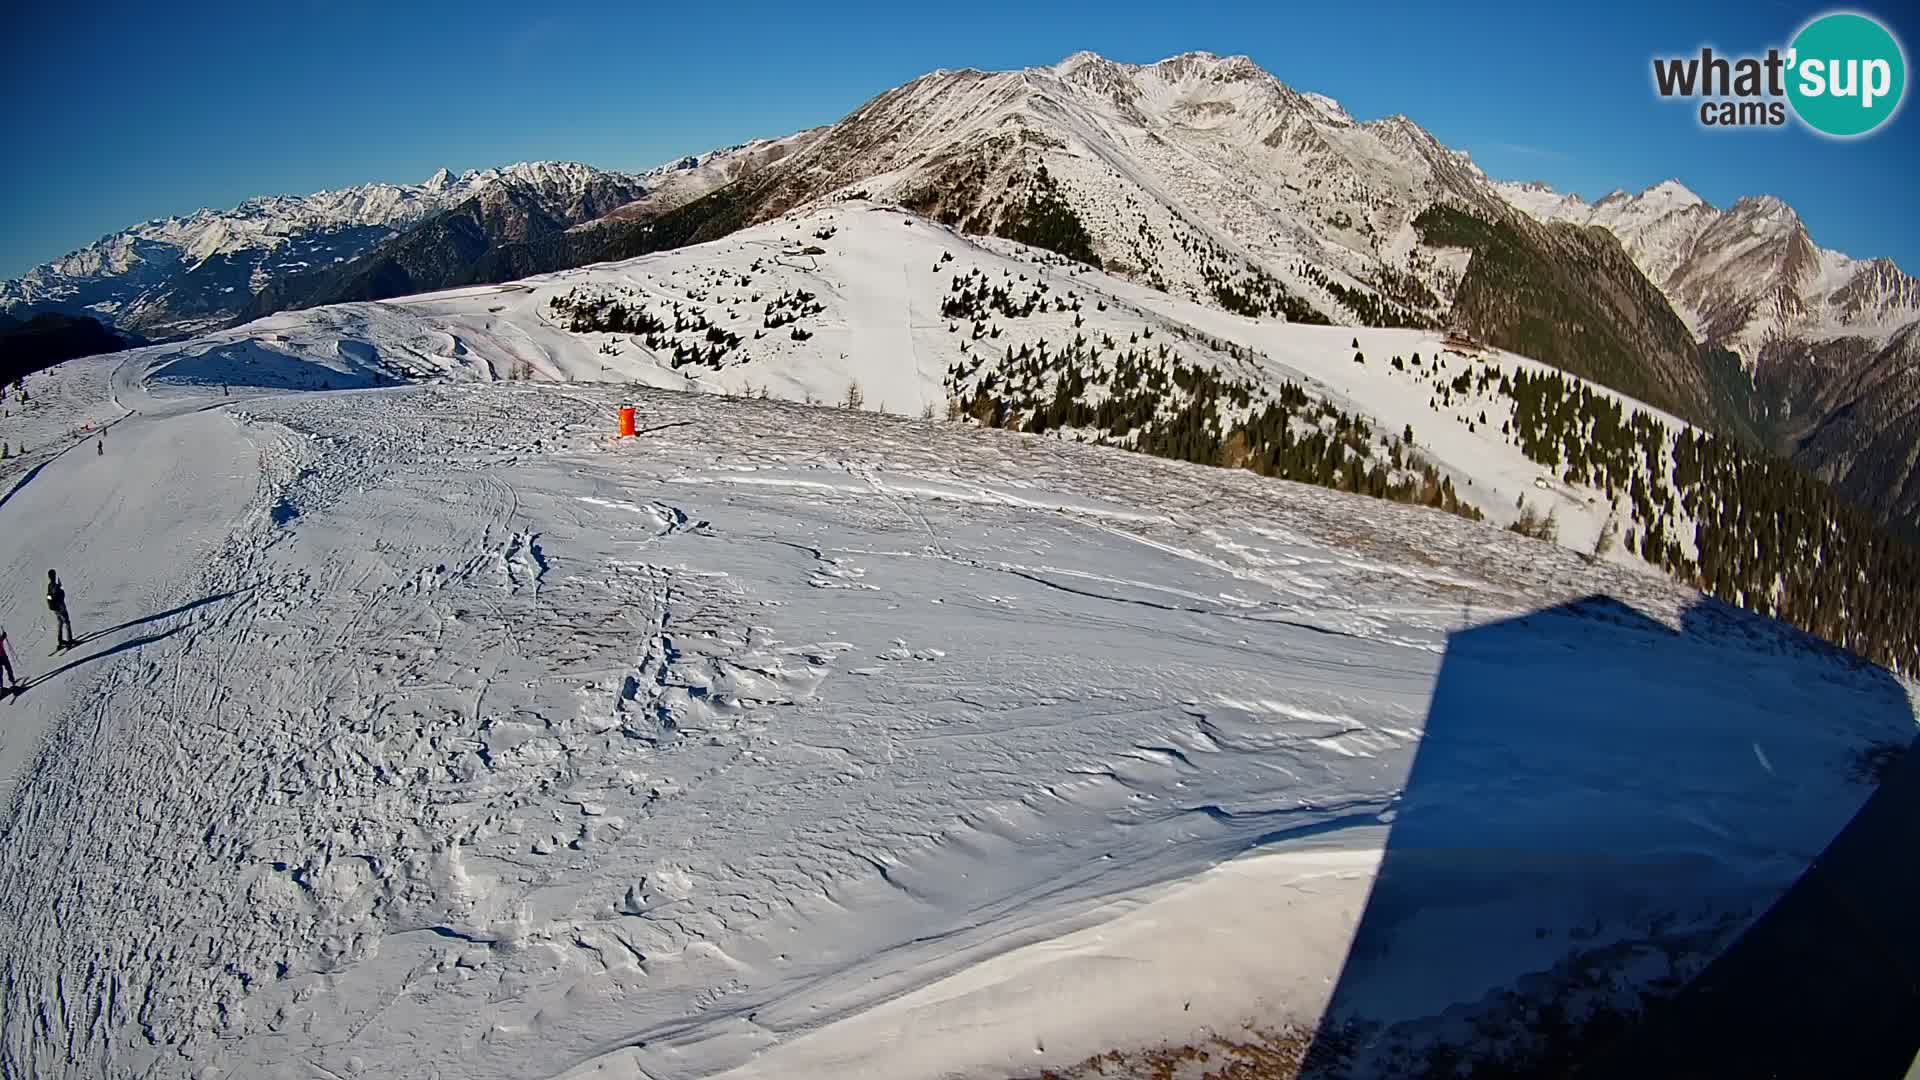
(437, 733)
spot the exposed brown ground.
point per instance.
(1254, 1055)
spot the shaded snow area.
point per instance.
(431, 732)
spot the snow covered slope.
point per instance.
(430, 731)
(178, 275)
(852, 295)
(1209, 179)
(1192, 173)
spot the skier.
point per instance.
(57, 603)
(6, 665)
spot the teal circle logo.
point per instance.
(1848, 74)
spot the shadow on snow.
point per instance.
(252, 364)
(156, 617)
(1599, 809)
(131, 643)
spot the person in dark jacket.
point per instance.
(57, 603)
(6, 664)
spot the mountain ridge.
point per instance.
(1207, 177)
(1204, 176)
(181, 274)
(1827, 341)
(1668, 227)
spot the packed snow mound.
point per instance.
(352, 365)
(445, 734)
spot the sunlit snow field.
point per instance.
(432, 731)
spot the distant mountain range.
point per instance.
(1200, 175)
(175, 276)
(1832, 343)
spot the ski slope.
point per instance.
(55, 415)
(878, 283)
(426, 730)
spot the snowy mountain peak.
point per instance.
(1192, 58)
(1743, 276)
(1541, 201)
(1083, 58)
(1662, 199)
(441, 180)
(1096, 73)
(1666, 197)
(1195, 63)
(1398, 129)
(1202, 173)
(1672, 192)
(1242, 67)
(1331, 109)
(1767, 208)
(1200, 64)
(543, 173)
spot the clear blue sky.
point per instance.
(122, 112)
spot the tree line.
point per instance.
(1763, 535)
(1149, 399)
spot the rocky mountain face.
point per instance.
(1742, 276)
(1848, 410)
(1826, 341)
(679, 182)
(182, 275)
(1190, 173)
(1201, 175)
(1210, 179)
(501, 235)
(441, 250)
